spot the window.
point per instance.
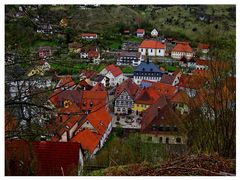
(178, 140)
(167, 140)
(161, 127)
(151, 50)
(154, 127)
(160, 140)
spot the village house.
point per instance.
(124, 97)
(140, 33)
(46, 158)
(45, 51)
(154, 33)
(191, 63)
(164, 89)
(64, 22)
(180, 102)
(201, 64)
(129, 58)
(88, 36)
(66, 82)
(204, 48)
(171, 78)
(99, 79)
(152, 48)
(147, 71)
(90, 52)
(147, 97)
(45, 28)
(39, 69)
(94, 130)
(74, 47)
(182, 49)
(161, 124)
(130, 46)
(114, 74)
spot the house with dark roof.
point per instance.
(130, 46)
(161, 124)
(124, 97)
(147, 71)
(45, 28)
(171, 78)
(152, 48)
(114, 74)
(99, 78)
(182, 49)
(43, 158)
(45, 51)
(140, 33)
(129, 58)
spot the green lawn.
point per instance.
(128, 70)
(44, 43)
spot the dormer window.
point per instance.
(151, 69)
(91, 104)
(143, 69)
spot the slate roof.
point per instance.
(51, 158)
(147, 67)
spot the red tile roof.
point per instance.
(93, 97)
(88, 139)
(93, 54)
(66, 81)
(140, 31)
(152, 44)
(51, 158)
(191, 81)
(98, 87)
(147, 96)
(99, 118)
(180, 97)
(128, 85)
(88, 34)
(88, 73)
(164, 89)
(201, 62)
(116, 71)
(203, 46)
(183, 47)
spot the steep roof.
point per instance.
(74, 96)
(66, 81)
(147, 96)
(152, 44)
(51, 158)
(98, 87)
(99, 118)
(152, 111)
(180, 97)
(202, 62)
(147, 67)
(116, 71)
(182, 47)
(88, 139)
(129, 86)
(203, 46)
(140, 31)
(164, 89)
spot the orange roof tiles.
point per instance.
(147, 96)
(203, 46)
(128, 85)
(140, 31)
(99, 118)
(164, 89)
(116, 71)
(66, 81)
(91, 99)
(202, 62)
(88, 34)
(152, 44)
(183, 47)
(88, 139)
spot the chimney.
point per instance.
(148, 60)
